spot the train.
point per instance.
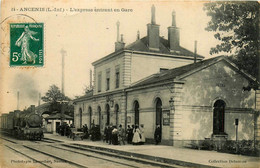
(26, 124)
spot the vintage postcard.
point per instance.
(133, 83)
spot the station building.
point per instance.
(154, 81)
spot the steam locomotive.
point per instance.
(23, 124)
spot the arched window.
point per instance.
(90, 116)
(136, 109)
(99, 115)
(108, 113)
(219, 117)
(158, 119)
(80, 117)
(116, 111)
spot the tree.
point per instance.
(237, 28)
(54, 96)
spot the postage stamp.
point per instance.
(26, 44)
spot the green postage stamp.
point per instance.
(26, 44)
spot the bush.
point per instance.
(244, 147)
(229, 147)
(207, 144)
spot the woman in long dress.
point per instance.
(24, 42)
(142, 134)
(137, 133)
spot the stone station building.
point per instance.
(154, 81)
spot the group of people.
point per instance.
(135, 135)
(112, 135)
(93, 133)
(64, 129)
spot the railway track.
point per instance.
(48, 154)
(55, 153)
(96, 156)
(37, 156)
(121, 157)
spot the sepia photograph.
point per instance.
(118, 84)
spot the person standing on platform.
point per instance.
(110, 129)
(129, 133)
(142, 134)
(121, 135)
(157, 135)
(106, 133)
(137, 136)
(85, 131)
(114, 136)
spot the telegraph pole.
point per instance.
(63, 53)
(18, 99)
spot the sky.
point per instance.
(86, 37)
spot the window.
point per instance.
(136, 108)
(108, 114)
(99, 116)
(99, 81)
(80, 118)
(158, 119)
(90, 116)
(108, 79)
(219, 117)
(117, 77)
(116, 111)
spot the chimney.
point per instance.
(18, 100)
(90, 78)
(195, 51)
(138, 35)
(122, 38)
(39, 101)
(153, 33)
(33, 108)
(173, 34)
(119, 44)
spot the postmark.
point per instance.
(27, 44)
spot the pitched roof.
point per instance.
(177, 72)
(142, 45)
(88, 94)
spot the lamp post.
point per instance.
(236, 124)
(111, 102)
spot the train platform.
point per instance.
(168, 154)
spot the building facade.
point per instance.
(154, 81)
